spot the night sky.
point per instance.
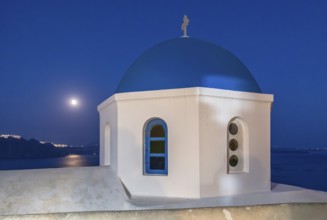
(52, 51)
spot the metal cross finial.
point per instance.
(184, 25)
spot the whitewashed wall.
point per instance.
(180, 113)
(197, 120)
(216, 112)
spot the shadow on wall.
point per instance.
(215, 176)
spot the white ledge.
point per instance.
(194, 91)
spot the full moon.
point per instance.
(73, 102)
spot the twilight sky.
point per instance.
(52, 51)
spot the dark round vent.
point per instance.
(233, 145)
(233, 128)
(233, 160)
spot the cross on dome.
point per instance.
(184, 25)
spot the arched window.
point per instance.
(237, 146)
(106, 150)
(155, 141)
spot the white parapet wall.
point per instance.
(267, 212)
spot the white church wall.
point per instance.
(260, 138)
(197, 121)
(180, 112)
(217, 108)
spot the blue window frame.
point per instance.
(156, 152)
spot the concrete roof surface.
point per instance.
(85, 189)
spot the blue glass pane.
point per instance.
(157, 163)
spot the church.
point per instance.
(187, 120)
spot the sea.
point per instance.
(305, 168)
(73, 160)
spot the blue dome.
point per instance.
(184, 63)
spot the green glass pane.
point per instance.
(157, 147)
(157, 131)
(233, 161)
